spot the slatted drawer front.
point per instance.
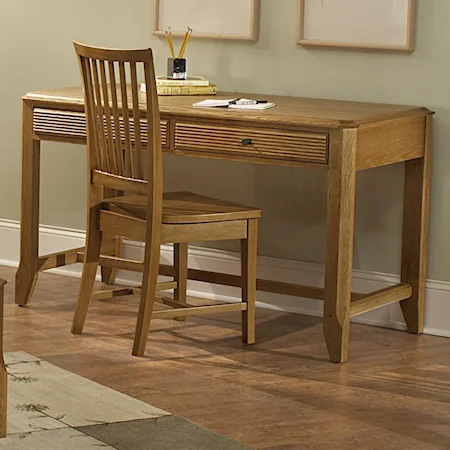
(252, 142)
(69, 124)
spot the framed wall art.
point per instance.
(214, 19)
(369, 24)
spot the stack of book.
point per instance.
(190, 86)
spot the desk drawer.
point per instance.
(72, 125)
(257, 143)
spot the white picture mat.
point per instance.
(231, 18)
(376, 22)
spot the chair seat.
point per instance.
(184, 208)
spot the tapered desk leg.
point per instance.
(415, 234)
(339, 243)
(27, 273)
(3, 374)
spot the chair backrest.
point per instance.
(119, 126)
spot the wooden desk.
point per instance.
(340, 137)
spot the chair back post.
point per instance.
(155, 194)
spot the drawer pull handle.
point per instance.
(246, 142)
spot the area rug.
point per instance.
(52, 409)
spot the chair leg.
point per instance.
(113, 246)
(181, 273)
(148, 293)
(249, 252)
(90, 264)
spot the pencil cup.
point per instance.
(176, 68)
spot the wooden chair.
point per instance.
(119, 129)
(3, 374)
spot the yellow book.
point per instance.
(187, 90)
(189, 81)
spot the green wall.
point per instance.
(36, 53)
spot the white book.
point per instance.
(235, 103)
(214, 103)
(254, 106)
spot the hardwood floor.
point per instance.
(280, 394)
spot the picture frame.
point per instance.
(209, 19)
(357, 24)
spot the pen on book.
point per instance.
(254, 102)
(187, 35)
(170, 42)
(247, 102)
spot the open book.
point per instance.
(235, 103)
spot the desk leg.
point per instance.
(3, 374)
(415, 234)
(339, 242)
(27, 273)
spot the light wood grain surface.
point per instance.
(281, 393)
(293, 110)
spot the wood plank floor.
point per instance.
(281, 394)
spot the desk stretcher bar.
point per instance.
(361, 303)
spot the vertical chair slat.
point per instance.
(100, 118)
(85, 64)
(115, 111)
(136, 121)
(129, 168)
(95, 115)
(108, 125)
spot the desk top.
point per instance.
(289, 110)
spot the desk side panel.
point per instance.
(390, 142)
